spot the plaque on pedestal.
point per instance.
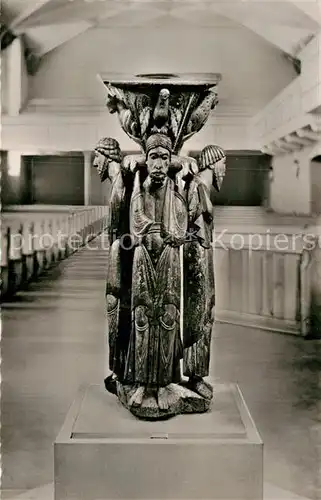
(104, 453)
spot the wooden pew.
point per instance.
(5, 237)
(262, 268)
(264, 287)
(313, 294)
(15, 264)
(28, 251)
(33, 239)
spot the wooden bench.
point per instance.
(265, 287)
(262, 269)
(34, 238)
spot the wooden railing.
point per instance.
(264, 263)
(263, 269)
(33, 238)
(315, 290)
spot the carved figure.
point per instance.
(201, 113)
(160, 287)
(119, 102)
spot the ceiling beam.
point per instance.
(26, 14)
(316, 128)
(295, 139)
(274, 149)
(284, 145)
(313, 134)
(285, 38)
(311, 8)
(278, 148)
(50, 37)
(74, 29)
(268, 150)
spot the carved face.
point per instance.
(100, 162)
(220, 167)
(221, 163)
(158, 161)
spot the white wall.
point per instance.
(67, 80)
(4, 79)
(16, 79)
(49, 132)
(253, 71)
(290, 190)
(24, 80)
(291, 108)
(310, 57)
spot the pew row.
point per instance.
(32, 240)
(264, 273)
(263, 262)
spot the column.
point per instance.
(17, 79)
(13, 181)
(14, 159)
(87, 177)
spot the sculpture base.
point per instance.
(165, 402)
(103, 452)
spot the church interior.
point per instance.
(267, 215)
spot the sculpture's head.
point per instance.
(164, 95)
(212, 165)
(210, 156)
(107, 156)
(158, 157)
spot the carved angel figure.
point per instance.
(160, 286)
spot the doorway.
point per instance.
(58, 179)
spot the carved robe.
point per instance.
(199, 286)
(159, 222)
(119, 273)
(165, 266)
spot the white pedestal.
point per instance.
(105, 453)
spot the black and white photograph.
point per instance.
(160, 250)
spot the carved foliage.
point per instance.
(174, 112)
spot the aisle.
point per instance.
(53, 341)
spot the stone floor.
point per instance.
(46, 492)
(53, 341)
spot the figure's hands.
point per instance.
(131, 163)
(173, 241)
